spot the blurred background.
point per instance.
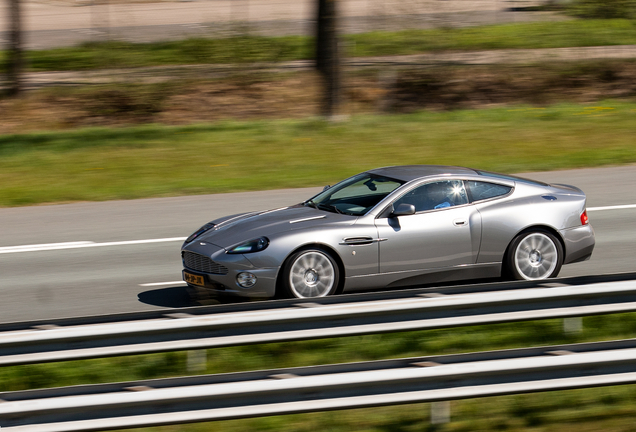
(113, 100)
(201, 60)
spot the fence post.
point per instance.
(328, 56)
(387, 82)
(15, 54)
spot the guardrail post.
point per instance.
(197, 360)
(572, 325)
(440, 412)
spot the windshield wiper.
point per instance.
(329, 207)
(311, 203)
(321, 206)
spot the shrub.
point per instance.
(602, 8)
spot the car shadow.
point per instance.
(172, 297)
(183, 297)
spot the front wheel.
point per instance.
(534, 255)
(310, 273)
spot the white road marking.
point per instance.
(162, 284)
(81, 244)
(618, 207)
(48, 246)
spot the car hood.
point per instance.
(239, 228)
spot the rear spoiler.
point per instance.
(570, 187)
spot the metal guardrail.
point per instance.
(247, 306)
(317, 388)
(312, 320)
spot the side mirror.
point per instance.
(403, 210)
(325, 188)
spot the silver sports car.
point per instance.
(394, 227)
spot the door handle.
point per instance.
(460, 222)
(360, 241)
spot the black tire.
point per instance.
(534, 255)
(310, 273)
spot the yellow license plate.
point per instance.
(193, 279)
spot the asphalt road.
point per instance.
(97, 258)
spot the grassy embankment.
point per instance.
(571, 33)
(157, 160)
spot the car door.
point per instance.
(444, 230)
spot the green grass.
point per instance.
(242, 49)
(579, 410)
(156, 160)
(575, 33)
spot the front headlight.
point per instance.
(208, 226)
(255, 245)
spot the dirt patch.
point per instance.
(246, 98)
(174, 103)
(266, 96)
(474, 87)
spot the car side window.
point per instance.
(434, 196)
(484, 190)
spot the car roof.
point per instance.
(411, 172)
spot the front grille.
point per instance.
(202, 264)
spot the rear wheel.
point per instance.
(534, 255)
(310, 273)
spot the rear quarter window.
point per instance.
(483, 190)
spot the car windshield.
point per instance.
(356, 195)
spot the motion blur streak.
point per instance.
(82, 244)
(162, 283)
(618, 207)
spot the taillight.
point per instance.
(584, 220)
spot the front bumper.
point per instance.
(226, 284)
(579, 243)
(228, 267)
